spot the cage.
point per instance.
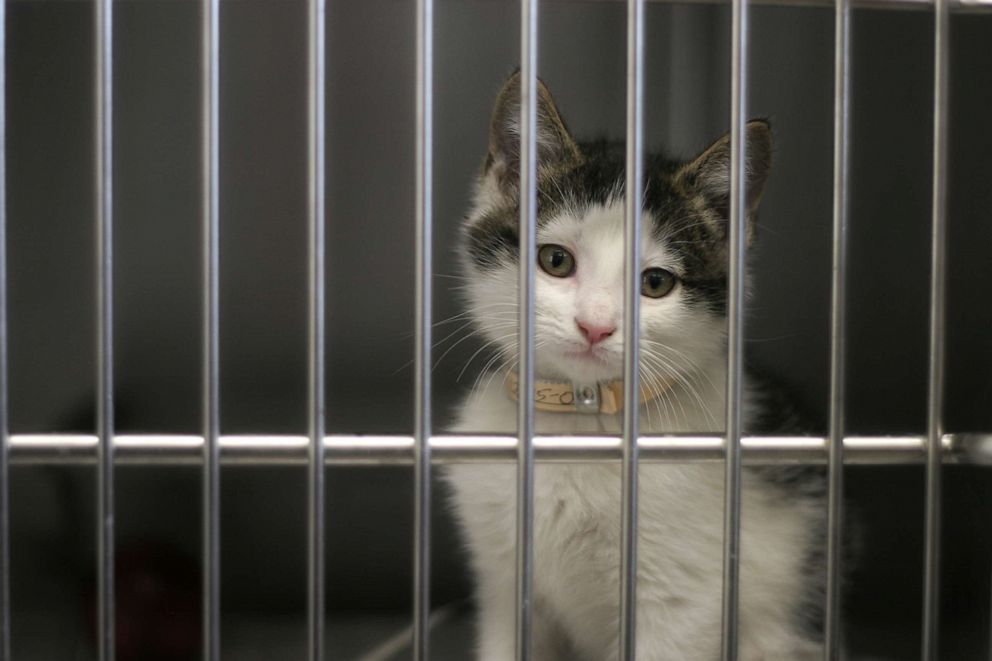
(162, 302)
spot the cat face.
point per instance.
(579, 281)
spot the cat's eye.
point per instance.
(657, 282)
(555, 260)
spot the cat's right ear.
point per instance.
(555, 145)
(708, 175)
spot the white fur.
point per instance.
(577, 507)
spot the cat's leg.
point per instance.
(656, 639)
(550, 641)
(778, 645)
(672, 629)
(496, 618)
(486, 519)
(497, 626)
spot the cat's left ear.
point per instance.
(555, 145)
(708, 175)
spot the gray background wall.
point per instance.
(370, 278)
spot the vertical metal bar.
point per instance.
(422, 357)
(105, 327)
(316, 342)
(835, 487)
(210, 127)
(935, 387)
(735, 328)
(525, 411)
(631, 321)
(4, 418)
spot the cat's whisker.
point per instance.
(467, 336)
(437, 345)
(653, 403)
(451, 348)
(474, 311)
(508, 367)
(700, 375)
(480, 350)
(671, 368)
(668, 413)
(663, 371)
(693, 366)
(450, 335)
(468, 314)
(651, 381)
(488, 370)
(676, 374)
(678, 377)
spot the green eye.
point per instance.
(555, 260)
(656, 282)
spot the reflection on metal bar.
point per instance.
(210, 128)
(4, 417)
(958, 6)
(105, 328)
(735, 328)
(935, 385)
(315, 330)
(631, 321)
(422, 352)
(835, 489)
(357, 450)
(525, 343)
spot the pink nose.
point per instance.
(595, 333)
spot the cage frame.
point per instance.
(106, 449)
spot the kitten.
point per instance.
(579, 343)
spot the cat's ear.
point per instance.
(708, 175)
(555, 145)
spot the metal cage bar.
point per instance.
(424, 315)
(935, 381)
(959, 6)
(735, 327)
(525, 343)
(104, 76)
(838, 313)
(210, 133)
(4, 410)
(631, 321)
(397, 450)
(107, 449)
(316, 402)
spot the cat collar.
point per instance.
(566, 397)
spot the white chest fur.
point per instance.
(577, 546)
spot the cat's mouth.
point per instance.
(596, 359)
(592, 354)
(578, 361)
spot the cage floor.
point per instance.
(58, 635)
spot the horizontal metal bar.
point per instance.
(958, 6)
(358, 450)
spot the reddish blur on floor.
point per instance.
(157, 603)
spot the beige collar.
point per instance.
(566, 397)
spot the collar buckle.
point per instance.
(586, 397)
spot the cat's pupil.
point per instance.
(556, 260)
(657, 282)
